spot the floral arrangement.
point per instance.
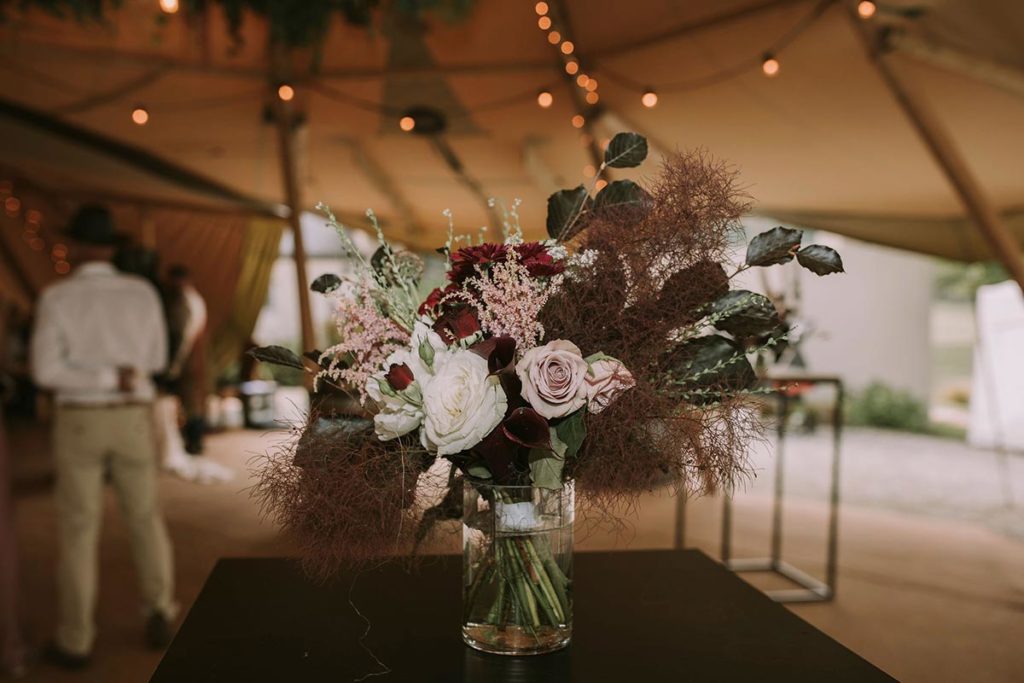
(613, 354)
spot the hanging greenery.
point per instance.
(294, 23)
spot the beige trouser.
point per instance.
(88, 442)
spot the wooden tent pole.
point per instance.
(946, 154)
(289, 174)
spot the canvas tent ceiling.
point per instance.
(823, 144)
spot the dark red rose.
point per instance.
(465, 260)
(399, 376)
(457, 323)
(433, 300)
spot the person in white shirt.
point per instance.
(98, 339)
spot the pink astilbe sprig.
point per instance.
(508, 301)
(368, 337)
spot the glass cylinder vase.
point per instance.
(517, 568)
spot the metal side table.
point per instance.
(811, 589)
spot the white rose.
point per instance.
(397, 414)
(606, 379)
(462, 403)
(553, 378)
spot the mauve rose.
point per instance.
(606, 379)
(399, 376)
(554, 378)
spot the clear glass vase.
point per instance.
(517, 568)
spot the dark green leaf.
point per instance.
(326, 283)
(546, 469)
(566, 210)
(820, 260)
(744, 314)
(277, 355)
(774, 246)
(572, 431)
(710, 362)
(619, 193)
(626, 150)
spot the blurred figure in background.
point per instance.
(12, 645)
(185, 383)
(99, 337)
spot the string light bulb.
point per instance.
(572, 67)
(578, 121)
(591, 84)
(169, 6)
(600, 184)
(407, 123)
(592, 98)
(140, 116)
(544, 23)
(589, 171)
(567, 47)
(770, 66)
(286, 92)
(582, 80)
(649, 98)
(62, 267)
(866, 9)
(554, 37)
(545, 99)
(541, 8)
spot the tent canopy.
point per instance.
(823, 144)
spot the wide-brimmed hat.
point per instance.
(93, 224)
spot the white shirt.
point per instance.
(88, 326)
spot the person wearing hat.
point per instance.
(98, 339)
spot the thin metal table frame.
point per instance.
(811, 589)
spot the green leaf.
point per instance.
(572, 431)
(710, 362)
(773, 247)
(326, 283)
(566, 209)
(478, 470)
(619, 193)
(820, 260)
(626, 150)
(277, 355)
(744, 314)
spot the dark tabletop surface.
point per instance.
(639, 616)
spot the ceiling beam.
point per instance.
(934, 53)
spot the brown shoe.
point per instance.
(57, 656)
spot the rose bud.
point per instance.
(399, 377)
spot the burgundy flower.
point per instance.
(527, 427)
(537, 260)
(457, 323)
(465, 260)
(433, 300)
(499, 352)
(399, 376)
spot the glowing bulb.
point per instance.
(649, 98)
(770, 66)
(592, 84)
(541, 8)
(544, 23)
(866, 9)
(12, 204)
(592, 98)
(582, 80)
(59, 251)
(407, 123)
(578, 121)
(286, 93)
(169, 6)
(567, 47)
(33, 216)
(62, 267)
(589, 171)
(600, 184)
(545, 99)
(36, 244)
(554, 37)
(140, 116)
(572, 67)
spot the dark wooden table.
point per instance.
(639, 616)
